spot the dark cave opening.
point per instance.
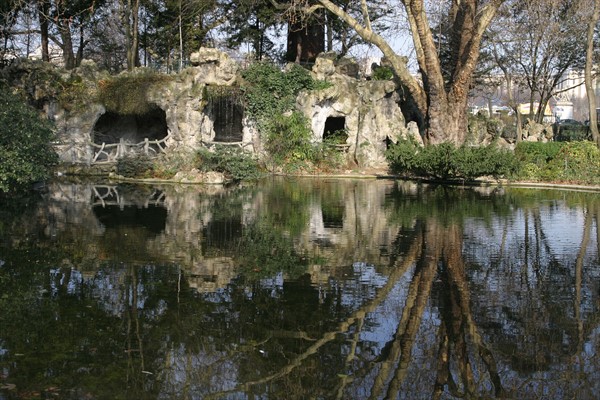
(335, 130)
(227, 114)
(113, 127)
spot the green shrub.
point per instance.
(135, 166)
(537, 152)
(403, 156)
(571, 133)
(26, 154)
(339, 136)
(270, 96)
(559, 161)
(327, 158)
(288, 138)
(471, 162)
(166, 165)
(445, 161)
(437, 161)
(382, 74)
(270, 92)
(234, 163)
(577, 161)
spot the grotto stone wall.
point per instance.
(369, 109)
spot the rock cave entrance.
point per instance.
(227, 112)
(335, 130)
(116, 135)
(113, 127)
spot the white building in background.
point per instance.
(572, 101)
(569, 103)
(55, 53)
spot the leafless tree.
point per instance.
(535, 43)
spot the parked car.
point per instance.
(568, 121)
(569, 130)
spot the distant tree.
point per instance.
(305, 36)
(536, 42)
(130, 17)
(9, 14)
(43, 9)
(249, 22)
(310, 33)
(65, 24)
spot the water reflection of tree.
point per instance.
(285, 340)
(541, 284)
(430, 250)
(463, 360)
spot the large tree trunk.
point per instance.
(67, 45)
(131, 21)
(306, 39)
(442, 100)
(448, 122)
(589, 62)
(43, 9)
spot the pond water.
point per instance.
(300, 289)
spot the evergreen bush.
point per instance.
(135, 166)
(234, 163)
(445, 161)
(288, 138)
(26, 154)
(577, 162)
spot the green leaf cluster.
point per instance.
(537, 152)
(271, 92)
(382, 74)
(233, 162)
(446, 161)
(288, 138)
(135, 166)
(26, 154)
(559, 161)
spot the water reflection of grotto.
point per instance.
(151, 218)
(430, 313)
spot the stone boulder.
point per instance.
(536, 132)
(370, 111)
(213, 67)
(328, 63)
